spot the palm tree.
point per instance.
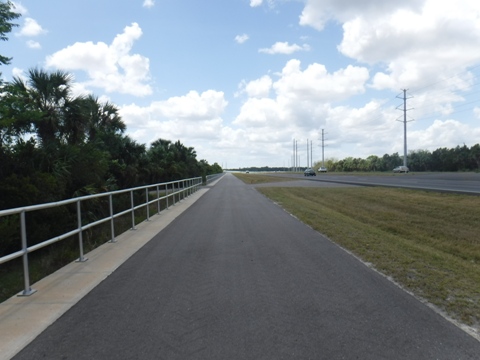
(44, 96)
(103, 118)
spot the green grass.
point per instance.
(427, 242)
(261, 178)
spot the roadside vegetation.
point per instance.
(425, 241)
(460, 158)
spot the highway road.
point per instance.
(464, 183)
(236, 277)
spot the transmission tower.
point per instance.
(404, 97)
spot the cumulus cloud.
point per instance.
(315, 83)
(255, 3)
(193, 115)
(301, 104)
(110, 67)
(257, 88)
(284, 48)
(240, 39)
(415, 40)
(31, 28)
(33, 44)
(148, 3)
(317, 12)
(447, 133)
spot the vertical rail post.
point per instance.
(173, 192)
(166, 194)
(26, 274)
(148, 205)
(133, 210)
(112, 219)
(80, 235)
(158, 200)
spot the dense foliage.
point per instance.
(7, 15)
(54, 145)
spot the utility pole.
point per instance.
(311, 154)
(296, 155)
(307, 155)
(293, 156)
(404, 123)
(323, 148)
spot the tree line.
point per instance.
(54, 145)
(460, 158)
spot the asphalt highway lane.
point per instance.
(464, 183)
(236, 277)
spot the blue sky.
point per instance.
(238, 80)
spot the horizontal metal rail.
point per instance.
(213, 177)
(155, 193)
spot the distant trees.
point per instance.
(460, 158)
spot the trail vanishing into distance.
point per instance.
(236, 277)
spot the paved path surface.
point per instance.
(236, 277)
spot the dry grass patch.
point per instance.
(428, 242)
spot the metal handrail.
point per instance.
(180, 188)
(210, 178)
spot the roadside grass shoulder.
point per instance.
(261, 178)
(426, 242)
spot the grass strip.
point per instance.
(427, 242)
(261, 178)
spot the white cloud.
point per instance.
(448, 133)
(17, 72)
(317, 12)
(255, 3)
(110, 67)
(296, 104)
(476, 112)
(301, 106)
(315, 83)
(257, 88)
(19, 8)
(33, 44)
(31, 28)
(416, 40)
(241, 38)
(148, 3)
(194, 115)
(284, 48)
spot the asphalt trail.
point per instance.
(236, 277)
